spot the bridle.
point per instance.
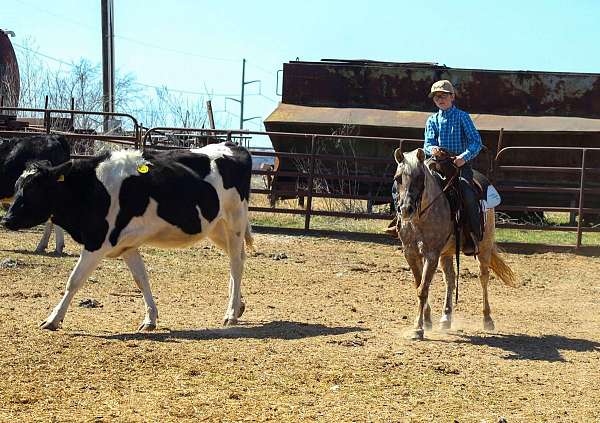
(446, 160)
(450, 161)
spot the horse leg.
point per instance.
(484, 259)
(415, 261)
(429, 267)
(450, 280)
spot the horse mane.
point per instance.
(432, 189)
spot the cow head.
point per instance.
(409, 181)
(35, 193)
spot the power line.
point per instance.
(55, 59)
(182, 52)
(268, 72)
(43, 55)
(129, 39)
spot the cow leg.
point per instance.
(220, 238)
(136, 266)
(415, 262)
(450, 280)
(43, 244)
(60, 240)
(235, 230)
(85, 266)
(484, 259)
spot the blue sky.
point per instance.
(198, 46)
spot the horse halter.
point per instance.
(400, 201)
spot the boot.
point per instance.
(470, 245)
(391, 229)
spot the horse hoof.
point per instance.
(446, 325)
(147, 327)
(230, 322)
(242, 309)
(488, 324)
(49, 325)
(416, 335)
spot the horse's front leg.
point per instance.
(450, 279)
(429, 267)
(415, 261)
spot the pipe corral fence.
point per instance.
(379, 175)
(305, 186)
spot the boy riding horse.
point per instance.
(453, 130)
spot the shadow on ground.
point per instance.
(529, 249)
(280, 329)
(343, 235)
(48, 253)
(527, 347)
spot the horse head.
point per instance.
(409, 181)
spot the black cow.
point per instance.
(15, 154)
(114, 203)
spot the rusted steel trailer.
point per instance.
(9, 71)
(510, 108)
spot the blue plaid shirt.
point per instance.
(452, 129)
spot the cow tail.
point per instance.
(249, 238)
(501, 269)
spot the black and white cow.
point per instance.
(15, 154)
(114, 203)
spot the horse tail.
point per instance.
(501, 269)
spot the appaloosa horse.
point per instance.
(426, 230)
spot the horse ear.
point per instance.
(421, 155)
(399, 156)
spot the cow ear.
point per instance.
(421, 155)
(399, 156)
(59, 172)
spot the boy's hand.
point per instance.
(459, 162)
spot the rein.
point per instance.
(456, 227)
(448, 185)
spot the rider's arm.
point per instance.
(473, 138)
(431, 136)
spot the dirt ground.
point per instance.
(322, 338)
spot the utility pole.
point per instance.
(241, 101)
(108, 61)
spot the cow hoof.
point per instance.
(230, 322)
(488, 324)
(40, 250)
(50, 325)
(242, 309)
(147, 327)
(416, 335)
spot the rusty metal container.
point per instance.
(9, 72)
(390, 100)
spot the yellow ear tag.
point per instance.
(61, 178)
(143, 168)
